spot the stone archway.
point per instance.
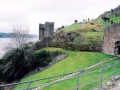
(117, 48)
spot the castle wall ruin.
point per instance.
(46, 30)
(111, 39)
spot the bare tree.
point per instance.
(20, 35)
(8, 46)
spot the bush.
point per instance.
(1, 61)
(43, 58)
(18, 62)
(1, 73)
(76, 21)
(92, 23)
(54, 54)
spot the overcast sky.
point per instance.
(62, 12)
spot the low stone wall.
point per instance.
(47, 42)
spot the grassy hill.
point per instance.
(85, 79)
(92, 32)
(115, 19)
(74, 61)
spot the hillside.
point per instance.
(85, 33)
(74, 61)
(92, 31)
(89, 32)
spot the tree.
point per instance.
(20, 35)
(63, 26)
(75, 21)
(18, 62)
(1, 69)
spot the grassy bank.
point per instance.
(71, 83)
(74, 61)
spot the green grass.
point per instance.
(91, 32)
(74, 61)
(115, 19)
(71, 83)
(72, 27)
(97, 36)
(104, 24)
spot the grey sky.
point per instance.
(62, 12)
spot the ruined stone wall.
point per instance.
(48, 42)
(111, 36)
(46, 29)
(41, 32)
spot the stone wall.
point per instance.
(46, 29)
(47, 42)
(111, 36)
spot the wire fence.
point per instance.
(85, 79)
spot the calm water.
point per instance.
(5, 41)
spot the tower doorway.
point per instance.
(117, 48)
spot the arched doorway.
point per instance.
(117, 47)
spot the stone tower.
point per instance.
(46, 29)
(111, 39)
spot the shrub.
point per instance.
(112, 22)
(43, 58)
(1, 73)
(54, 54)
(92, 23)
(1, 61)
(18, 62)
(76, 21)
(63, 26)
(1, 69)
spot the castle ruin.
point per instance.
(111, 39)
(46, 30)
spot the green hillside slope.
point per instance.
(74, 61)
(91, 32)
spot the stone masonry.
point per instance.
(111, 39)
(46, 30)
